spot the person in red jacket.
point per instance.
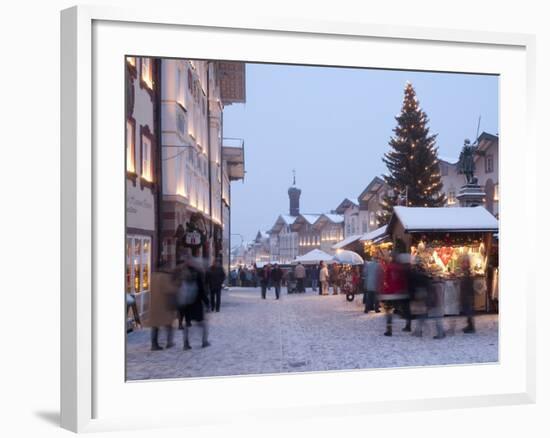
(395, 290)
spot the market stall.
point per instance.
(377, 243)
(440, 238)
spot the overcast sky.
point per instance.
(333, 125)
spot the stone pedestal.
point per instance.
(471, 195)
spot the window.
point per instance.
(444, 169)
(147, 72)
(130, 146)
(496, 197)
(146, 161)
(451, 197)
(138, 264)
(181, 88)
(488, 164)
(372, 219)
(365, 226)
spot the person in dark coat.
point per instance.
(242, 277)
(265, 279)
(190, 298)
(467, 295)
(215, 276)
(276, 279)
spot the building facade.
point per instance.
(370, 204)
(486, 161)
(349, 209)
(197, 170)
(142, 178)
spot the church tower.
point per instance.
(294, 197)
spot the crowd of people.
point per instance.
(395, 284)
(183, 293)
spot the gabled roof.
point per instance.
(345, 204)
(334, 218)
(442, 219)
(304, 219)
(371, 188)
(283, 219)
(310, 218)
(329, 217)
(485, 140)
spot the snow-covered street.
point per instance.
(303, 332)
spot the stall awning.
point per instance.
(347, 241)
(315, 256)
(442, 219)
(375, 235)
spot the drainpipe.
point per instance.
(158, 138)
(209, 149)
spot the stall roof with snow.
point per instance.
(347, 241)
(458, 219)
(374, 235)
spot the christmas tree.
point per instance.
(413, 168)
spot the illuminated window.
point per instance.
(138, 264)
(130, 145)
(451, 197)
(146, 161)
(372, 219)
(147, 72)
(496, 196)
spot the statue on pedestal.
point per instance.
(466, 165)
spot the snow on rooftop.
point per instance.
(371, 235)
(311, 218)
(288, 218)
(446, 219)
(336, 218)
(346, 241)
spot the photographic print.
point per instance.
(298, 218)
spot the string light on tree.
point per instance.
(412, 160)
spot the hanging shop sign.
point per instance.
(193, 238)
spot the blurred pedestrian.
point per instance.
(162, 308)
(191, 296)
(300, 274)
(315, 278)
(215, 276)
(242, 277)
(373, 279)
(394, 291)
(276, 278)
(323, 279)
(467, 294)
(334, 277)
(265, 273)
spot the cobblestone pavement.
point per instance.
(303, 332)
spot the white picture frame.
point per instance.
(87, 190)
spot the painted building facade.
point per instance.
(142, 177)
